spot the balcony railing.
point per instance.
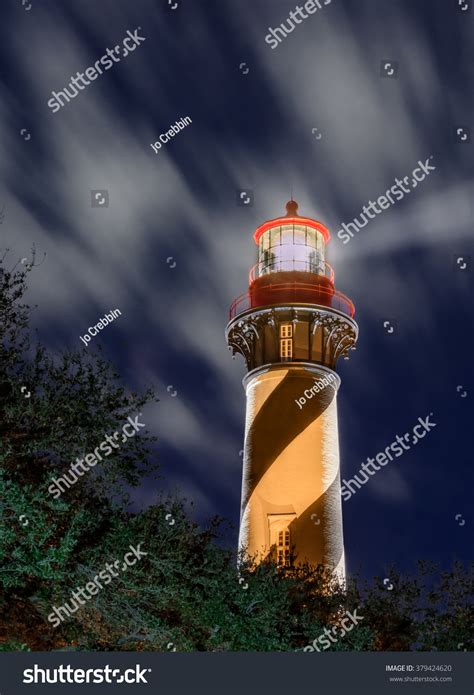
(281, 265)
(291, 292)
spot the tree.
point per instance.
(52, 411)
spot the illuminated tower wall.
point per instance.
(292, 326)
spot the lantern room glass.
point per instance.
(291, 247)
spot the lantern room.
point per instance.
(291, 266)
(291, 243)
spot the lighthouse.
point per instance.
(292, 326)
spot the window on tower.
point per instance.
(283, 548)
(286, 340)
(279, 537)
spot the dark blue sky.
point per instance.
(253, 130)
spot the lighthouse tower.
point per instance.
(292, 326)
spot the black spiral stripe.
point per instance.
(279, 421)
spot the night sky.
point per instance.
(174, 246)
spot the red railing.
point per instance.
(282, 266)
(294, 292)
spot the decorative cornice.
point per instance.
(339, 331)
